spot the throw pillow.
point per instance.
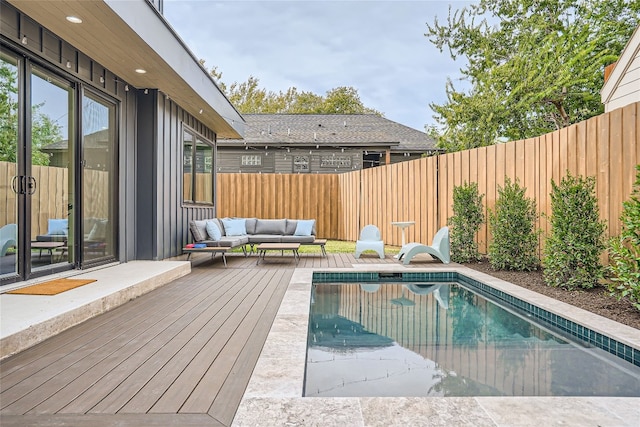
(234, 227)
(304, 227)
(213, 231)
(58, 226)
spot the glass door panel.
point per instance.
(98, 179)
(9, 175)
(51, 159)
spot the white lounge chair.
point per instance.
(440, 248)
(370, 240)
(8, 237)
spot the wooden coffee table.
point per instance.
(262, 249)
(49, 246)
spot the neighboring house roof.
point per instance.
(331, 130)
(623, 85)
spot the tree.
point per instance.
(467, 217)
(624, 250)
(44, 130)
(573, 247)
(512, 221)
(248, 97)
(533, 67)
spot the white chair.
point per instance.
(8, 237)
(370, 240)
(440, 248)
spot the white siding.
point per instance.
(628, 90)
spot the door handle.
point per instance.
(31, 185)
(14, 184)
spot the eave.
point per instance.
(125, 35)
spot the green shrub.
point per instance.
(465, 222)
(514, 237)
(624, 250)
(576, 239)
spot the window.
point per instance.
(252, 160)
(197, 168)
(301, 163)
(334, 161)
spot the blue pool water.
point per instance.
(445, 339)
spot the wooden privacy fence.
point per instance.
(282, 196)
(51, 198)
(605, 147)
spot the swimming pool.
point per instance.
(444, 334)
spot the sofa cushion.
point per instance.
(265, 238)
(99, 231)
(198, 228)
(232, 241)
(298, 239)
(250, 224)
(58, 226)
(213, 231)
(304, 227)
(234, 227)
(271, 226)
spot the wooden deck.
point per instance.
(180, 355)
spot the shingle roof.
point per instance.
(331, 129)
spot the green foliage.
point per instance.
(44, 131)
(532, 67)
(465, 222)
(576, 239)
(248, 97)
(624, 250)
(512, 222)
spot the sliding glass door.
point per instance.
(99, 181)
(9, 88)
(58, 172)
(50, 183)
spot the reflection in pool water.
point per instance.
(445, 340)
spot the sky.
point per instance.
(377, 47)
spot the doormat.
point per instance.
(52, 287)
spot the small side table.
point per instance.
(403, 225)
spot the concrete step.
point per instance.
(26, 320)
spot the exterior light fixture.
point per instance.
(101, 79)
(68, 64)
(126, 88)
(141, 71)
(24, 40)
(200, 112)
(74, 19)
(146, 91)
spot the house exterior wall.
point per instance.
(628, 89)
(152, 218)
(282, 161)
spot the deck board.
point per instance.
(179, 355)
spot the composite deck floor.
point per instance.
(180, 355)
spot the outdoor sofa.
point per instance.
(239, 232)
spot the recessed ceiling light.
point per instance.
(140, 71)
(74, 19)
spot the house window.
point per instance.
(197, 168)
(335, 161)
(252, 160)
(301, 163)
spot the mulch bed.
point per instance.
(596, 300)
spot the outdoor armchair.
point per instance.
(370, 240)
(440, 248)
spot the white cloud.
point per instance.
(377, 47)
